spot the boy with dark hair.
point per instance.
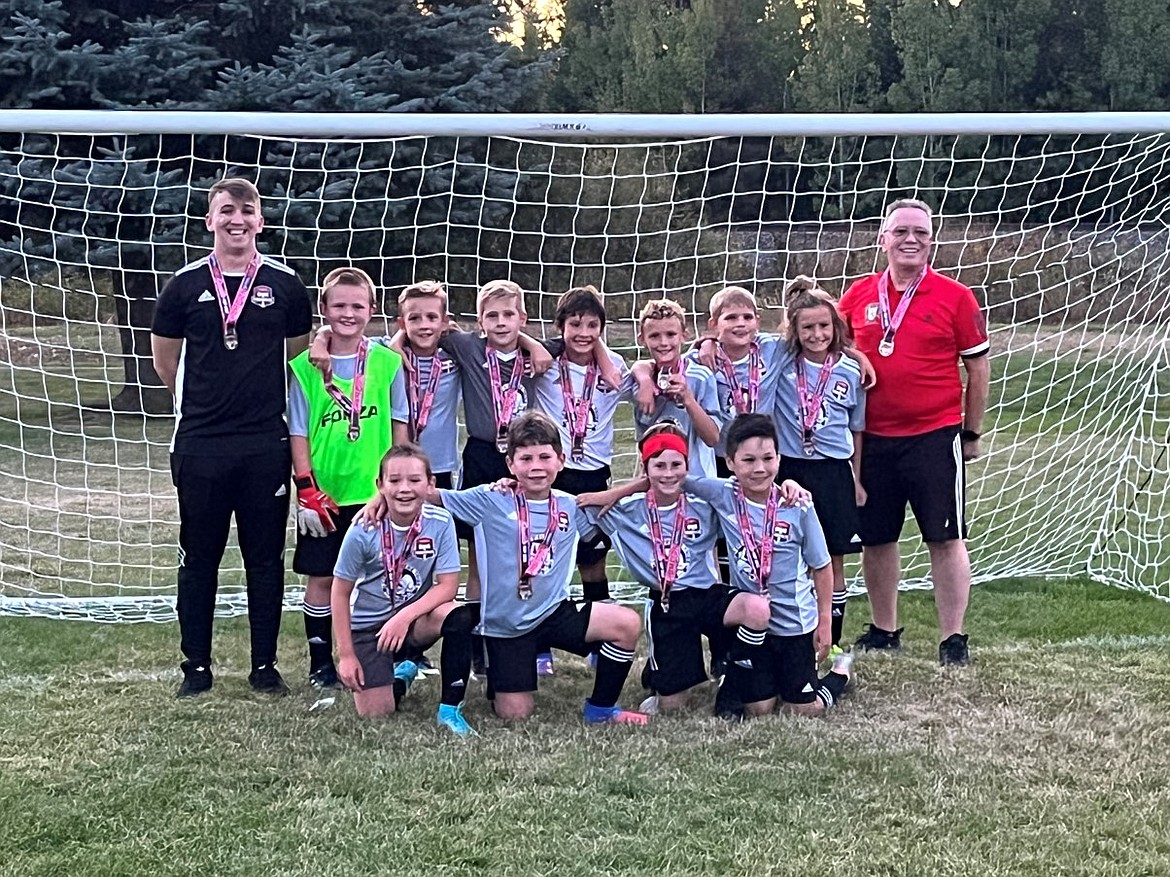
(529, 547)
(224, 327)
(340, 426)
(406, 572)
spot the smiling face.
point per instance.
(347, 311)
(423, 320)
(736, 326)
(755, 464)
(535, 468)
(404, 483)
(234, 224)
(814, 331)
(501, 320)
(666, 471)
(905, 239)
(663, 338)
(580, 333)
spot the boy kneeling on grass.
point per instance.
(406, 572)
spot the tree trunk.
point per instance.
(135, 292)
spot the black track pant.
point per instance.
(255, 488)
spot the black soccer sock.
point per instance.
(832, 686)
(595, 592)
(455, 659)
(476, 639)
(613, 666)
(399, 688)
(839, 600)
(746, 645)
(319, 633)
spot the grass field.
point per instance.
(1048, 756)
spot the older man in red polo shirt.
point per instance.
(916, 326)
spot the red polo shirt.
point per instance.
(919, 388)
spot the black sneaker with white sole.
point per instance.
(324, 676)
(953, 651)
(877, 640)
(196, 680)
(266, 679)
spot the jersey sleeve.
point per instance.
(168, 321)
(713, 490)
(857, 415)
(399, 402)
(589, 521)
(447, 551)
(970, 326)
(463, 348)
(300, 312)
(355, 553)
(298, 409)
(470, 505)
(813, 547)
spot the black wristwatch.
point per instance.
(968, 435)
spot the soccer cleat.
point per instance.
(843, 665)
(451, 717)
(406, 672)
(266, 679)
(953, 651)
(728, 702)
(649, 707)
(426, 668)
(591, 660)
(876, 639)
(324, 676)
(544, 664)
(613, 715)
(196, 680)
(718, 667)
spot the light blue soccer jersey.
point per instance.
(700, 456)
(798, 543)
(598, 447)
(497, 548)
(440, 438)
(435, 552)
(842, 410)
(343, 369)
(628, 524)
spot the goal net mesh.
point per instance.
(1064, 239)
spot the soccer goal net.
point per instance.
(1060, 223)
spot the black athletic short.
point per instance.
(576, 482)
(511, 661)
(317, 555)
(923, 470)
(675, 638)
(443, 481)
(482, 464)
(787, 669)
(378, 667)
(831, 484)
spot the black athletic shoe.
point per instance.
(718, 667)
(324, 676)
(267, 680)
(196, 680)
(729, 702)
(953, 650)
(876, 639)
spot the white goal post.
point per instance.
(1060, 222)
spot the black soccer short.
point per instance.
(924, 470)
(317, 555)
(576, 482)
(831, 484)
(675, 637)
(443, 481)
(511, 661)
(483, 463)
(787, 669)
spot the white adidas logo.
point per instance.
(207, 296)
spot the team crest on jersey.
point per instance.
(447, 366)
(563, 521)
(691, 529)
(840, 390)
(262, 297)
(424, 548)
(871, 312)
(782, 533)
(407, 590)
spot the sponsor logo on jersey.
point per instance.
(871, 312)
(840, 390)
(336, 415)
(408, 587)
(207, 296)
(424, 548)
(262, 297)
(563, 521)
(691, 529)
(783, 532)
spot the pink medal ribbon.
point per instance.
(577, 410)
(421, 400)
(666, 561)
(394, 562)
(231, 308)
(532, 560)
(503, 398)
(352, 408)
(744, 398)
(810, 404)
(758, 551)
(891, 324)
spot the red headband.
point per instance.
(663, 441)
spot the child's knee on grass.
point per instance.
(808, 710)
(374, 702)
(760, 707)
(513, 706)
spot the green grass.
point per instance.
(1048, 756)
